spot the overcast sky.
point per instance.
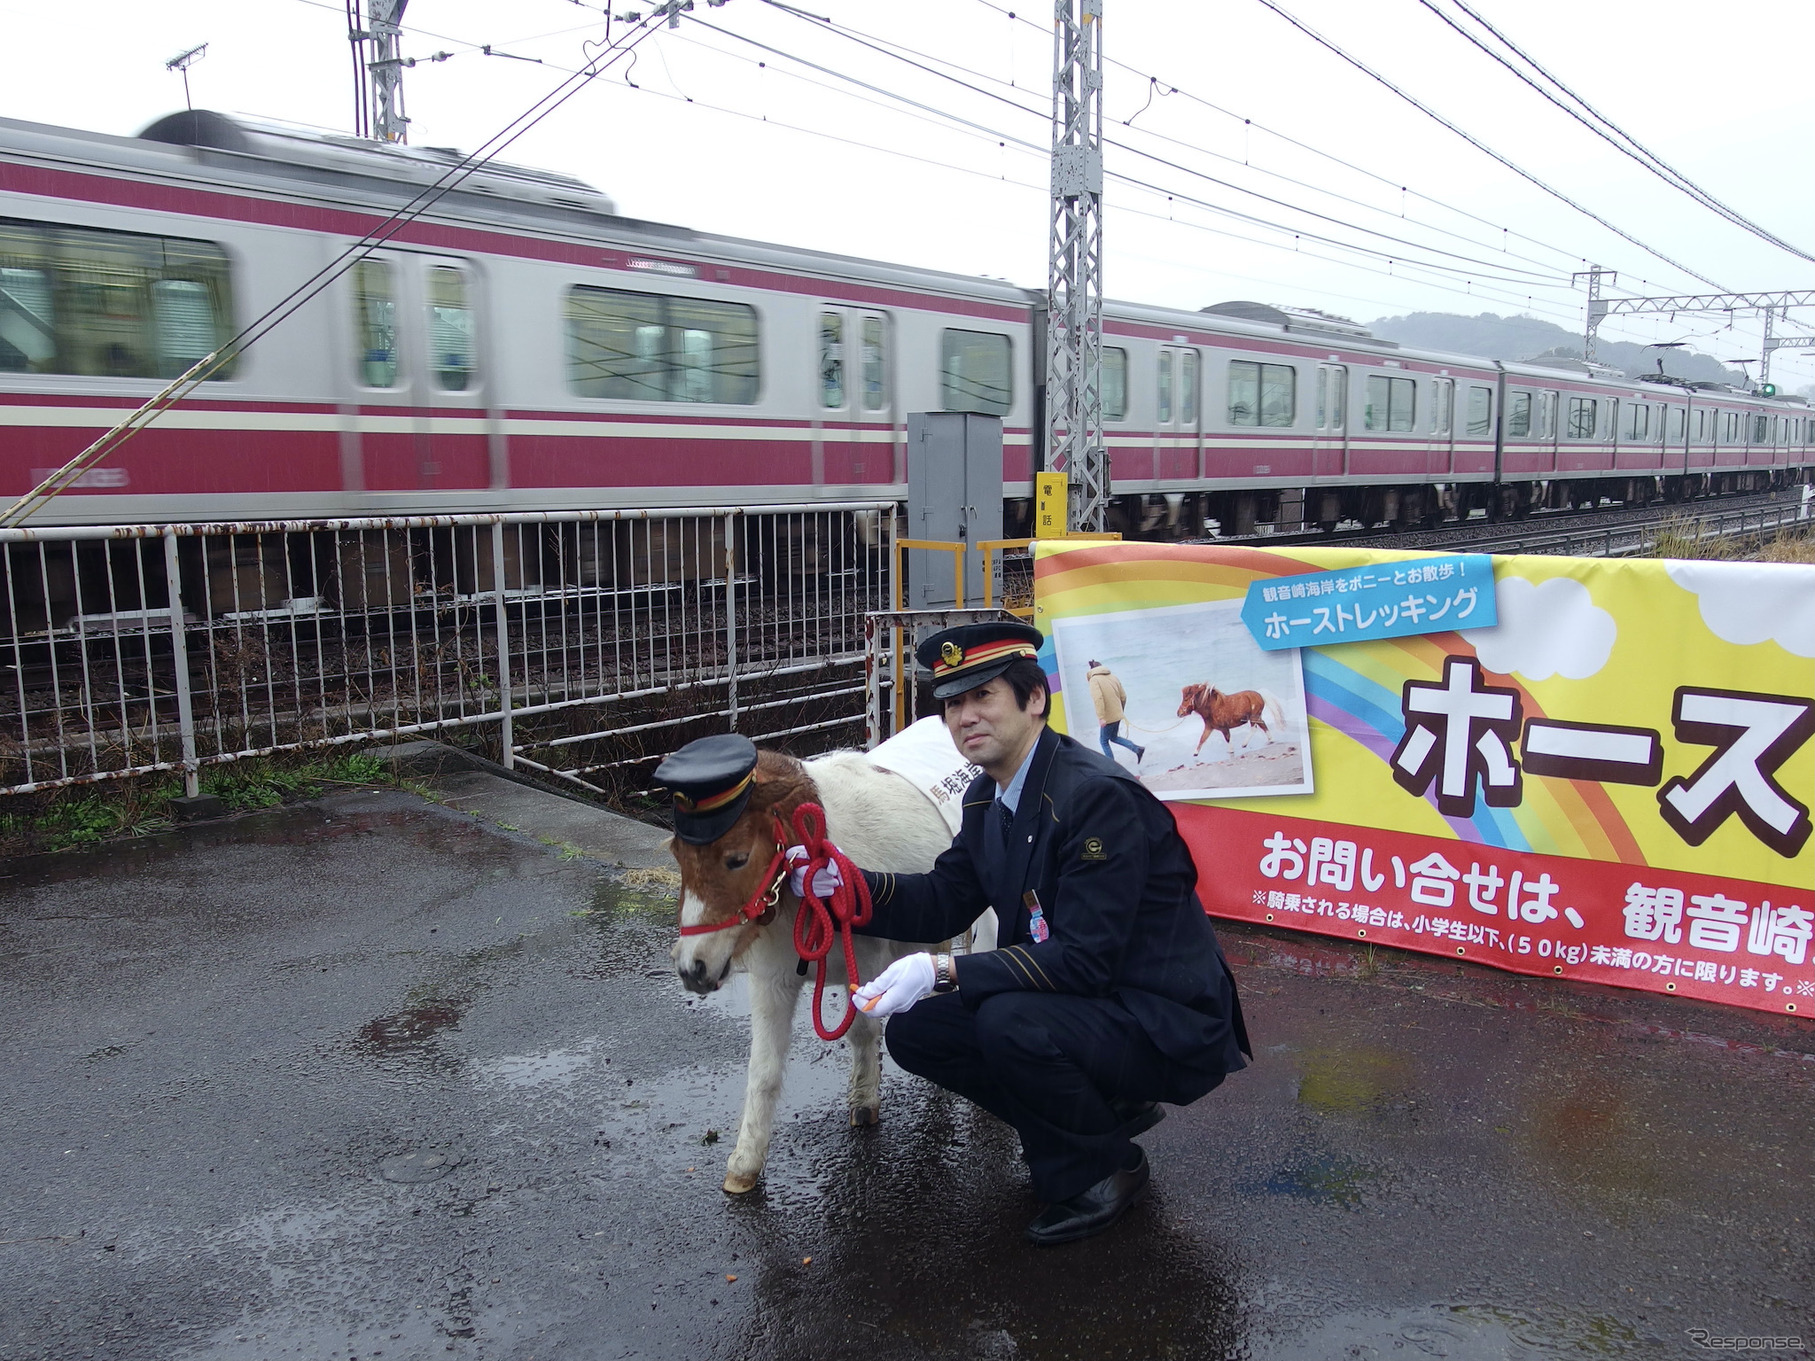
(719, 134)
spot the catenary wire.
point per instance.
(305, 292)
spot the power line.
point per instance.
(1607, 130)
(1481, 146)
(310, 288)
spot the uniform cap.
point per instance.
(709, 780)
(965, 657)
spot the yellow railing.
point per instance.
(987, 549)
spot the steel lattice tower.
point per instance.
(1074, 291)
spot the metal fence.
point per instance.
(127, 650)
(1640, 537)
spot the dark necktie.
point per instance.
(1006, 816)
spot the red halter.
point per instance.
(819, 922)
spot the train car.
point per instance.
(521, 346)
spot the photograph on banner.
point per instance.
(1183, 697)
(1610, 782)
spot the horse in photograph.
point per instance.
(1254, 709)
(876, 817)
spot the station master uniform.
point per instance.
(1108, 991)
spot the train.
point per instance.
(523, 346)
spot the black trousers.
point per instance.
(1048, 1064)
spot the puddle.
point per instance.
(1463, 1332)
(413, 1028)
(1331, 1181)
(1351, 1081)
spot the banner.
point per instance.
(1596, 769)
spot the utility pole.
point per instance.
(1597, 310)
(1074, 291)
(388, 122)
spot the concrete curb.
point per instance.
(469, 783)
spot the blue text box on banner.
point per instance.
(1382, 600)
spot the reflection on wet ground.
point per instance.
(367, 1079)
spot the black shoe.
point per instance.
(1136, 1117)
(1090, 1211)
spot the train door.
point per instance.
(1176, 414)
(455, 451)
(1439, 449)
(379, 451)
(1330, 440)
(855, 436)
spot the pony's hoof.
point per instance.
(865, 1115)
(738, 1184)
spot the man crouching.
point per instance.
(1109, 992)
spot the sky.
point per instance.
(1246, 160)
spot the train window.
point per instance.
(1115, 383)
(1443, 405)
(1581, 418)
(1262, 394)
(375, 322)
(831, 361)
(875, 373)
(1163, 407)
(1187, 388)
(1480, 412)
(976, 370)
(1518, 415)
(1332, 381)
(1760, 425)
(1638, 420)
(1678, 423)
(1391, 404)
(650, 348)
(450, 329)
(109, 304)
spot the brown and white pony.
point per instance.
(1224, 713)
(882, 822)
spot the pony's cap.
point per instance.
(965, 657)
(709, 780)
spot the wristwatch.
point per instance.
(945, 975)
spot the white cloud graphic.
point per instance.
(1547, 629)
(1754, 602)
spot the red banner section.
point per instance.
(1691, 935)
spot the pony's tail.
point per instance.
(1274, 712)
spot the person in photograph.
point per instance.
(1110, 699)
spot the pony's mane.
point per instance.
(781, 783)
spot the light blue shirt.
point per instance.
(1011, 795)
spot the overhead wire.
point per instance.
(1606, 129)
(261, 326)
(1481, 146)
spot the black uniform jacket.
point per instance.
(1118, 890)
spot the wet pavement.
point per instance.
(370, 1078)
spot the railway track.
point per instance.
(1608, 531)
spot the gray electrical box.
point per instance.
(954, 467)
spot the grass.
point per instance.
(59, 819)
(1681, 539)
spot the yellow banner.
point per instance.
(1620, 766)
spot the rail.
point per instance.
(129, 650)
(1633, 538)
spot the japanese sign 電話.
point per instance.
(1379, 600)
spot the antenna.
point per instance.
(182, 62)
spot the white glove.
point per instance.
(824, 882)
(897, 987)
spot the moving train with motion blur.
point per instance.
(523, 347)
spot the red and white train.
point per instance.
(524, 347)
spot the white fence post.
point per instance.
(179, 657)
(506, 736)
(731, 609)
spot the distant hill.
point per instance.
(1524, 337)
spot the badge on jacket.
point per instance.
(1093, 849)
(1036, 917)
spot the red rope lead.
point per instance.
(819, 923)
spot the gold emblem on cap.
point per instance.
(951, 653)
